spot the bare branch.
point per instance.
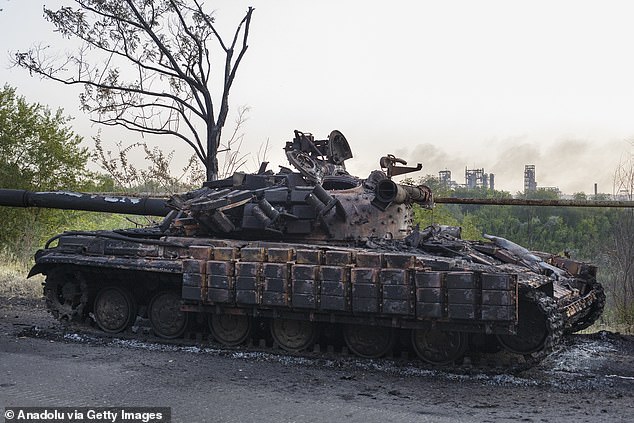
(230, 70)
(207, 19)
(132, 126)
(157, 41)
(146, 66)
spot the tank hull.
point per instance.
(391, 287)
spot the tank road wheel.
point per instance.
(368, 341)
(230, 329)
(66, 294)
(293, 335)
(114, 309)
(166, 317)
(540, 325)
(439, 347)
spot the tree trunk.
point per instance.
(213, 141)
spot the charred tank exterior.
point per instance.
(299, 250)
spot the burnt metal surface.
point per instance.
(79, 201)
(291, 250)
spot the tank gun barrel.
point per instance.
(388, 191)
(66, 200)
(535, 202)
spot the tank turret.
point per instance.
(320, 202)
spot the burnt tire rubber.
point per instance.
(114, 309)
(293, 335)
(166, 317)
(369, 341)
(540, 326)
(230, 329)
(439, 347)
(66, 294)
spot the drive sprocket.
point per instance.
(66, 294)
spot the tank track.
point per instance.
(474, 361)
(595, 310)
(554, 322)
(477, 357)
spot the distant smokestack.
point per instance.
(596, 189)
(530, 184)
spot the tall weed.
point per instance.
(13, 281)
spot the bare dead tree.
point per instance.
(146, 65)
(623, 245)
(624, 178)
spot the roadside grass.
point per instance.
(13, 281)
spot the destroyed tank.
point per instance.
(307, 254)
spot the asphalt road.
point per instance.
(590, 379)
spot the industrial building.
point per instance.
(474, 178)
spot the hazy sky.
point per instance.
(450, 84)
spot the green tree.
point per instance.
(38, 151)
